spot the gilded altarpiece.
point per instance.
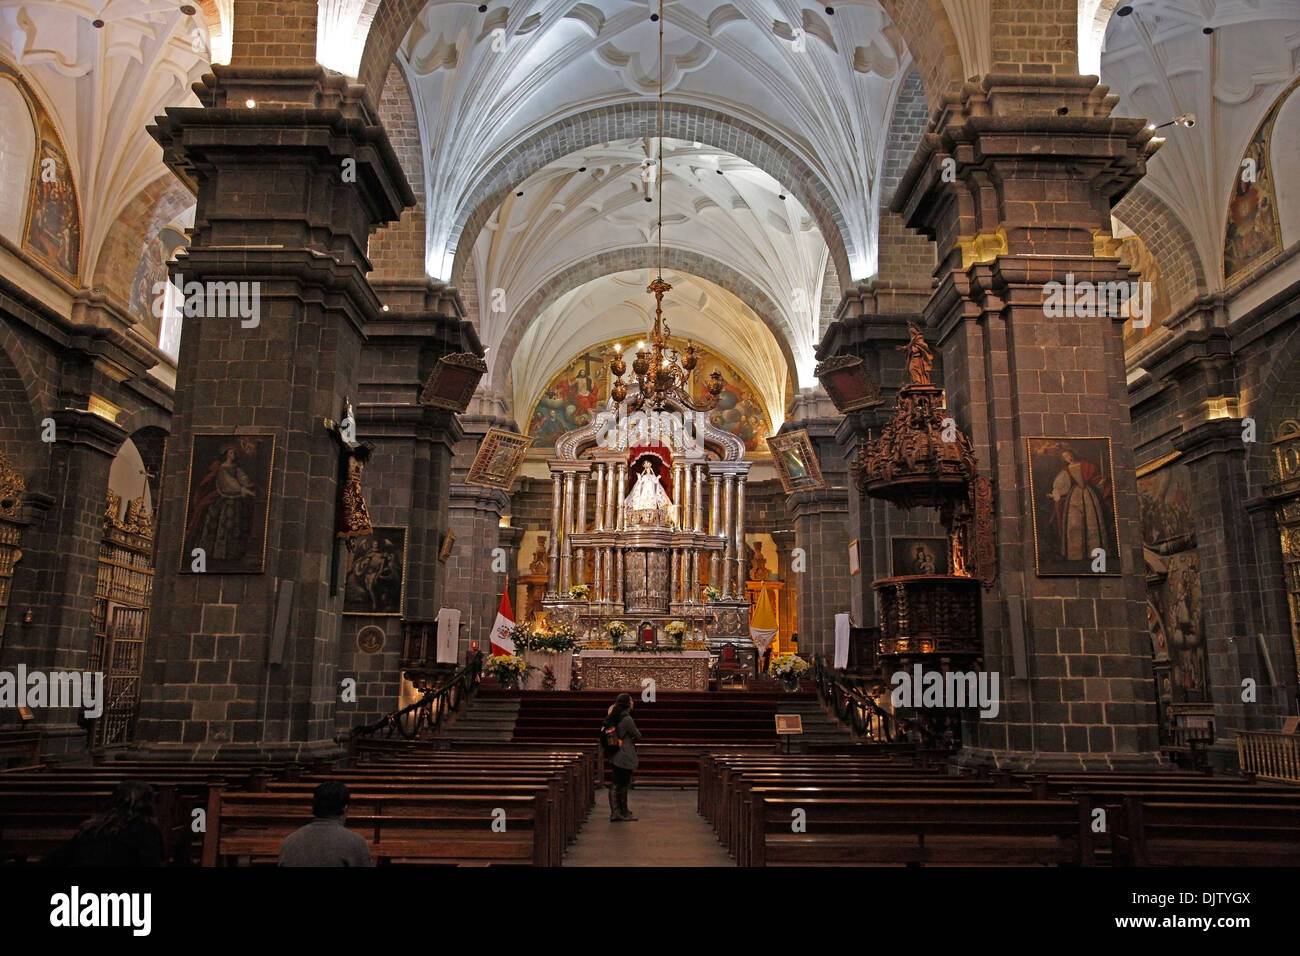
(1283, 490)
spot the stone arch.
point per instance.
(141, 218)
(641, 257)
(925, 26)
(20, 413)
(638, 118)
(1169, 240)
(1276, 399)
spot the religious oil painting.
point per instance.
(1253, 234)
(796, 461)
(228, 503)
(919, 555)
(374, 580)
(581, 388)
(53, 216)
(498, 460)
(1071, 485)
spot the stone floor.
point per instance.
(668, 832)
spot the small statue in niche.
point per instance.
(757, 563)
(539, 563)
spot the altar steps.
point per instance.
(677, 727)
(488, 719)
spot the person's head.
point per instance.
(330, 799)
(623, 702)
(131, 800)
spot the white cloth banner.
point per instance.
(762, 636)
(841, 641)
(448, 634)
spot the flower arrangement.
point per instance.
(580, 592)
(675, 629)
(788, 667)
(506, 668)
(711, 593)
(549, 637)
(616, 629)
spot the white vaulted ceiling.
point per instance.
(103, 86)
(819, 85)
(1161, 64)
(591, 205)
(618, 306)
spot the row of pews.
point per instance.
(883, 809)
(413, 806)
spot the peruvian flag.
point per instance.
(501, 643)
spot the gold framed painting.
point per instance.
(374, 579)
(228, 504)
(499, 458)
(796, 461)
(1071, 487)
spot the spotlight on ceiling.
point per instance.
(188, 10)
(482, 8)
(781, 196)
(251, 104)
(1207, 30)
(1124, 11)
(1183, 119)
(582, 169)
(97, 24)
(830, 11)
(520, 193)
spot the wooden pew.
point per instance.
(1151, 832)
(421, 828)
(948, 831)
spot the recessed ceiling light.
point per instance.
(719, 172)
(482, 8)
(251, 104)
(830, 11)
(520, 193)
(654, 18)
(97, 24)
(1207, 30)
(385, 308)
(781, 196)
(188, 10)
(1124, 11)
(582, 169)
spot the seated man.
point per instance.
(326, 841)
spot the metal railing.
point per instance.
(427, 714)
(854, 707)
(1269, 756)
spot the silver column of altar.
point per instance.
(674, 577)
(580, 570)
(742, 550)
(729, 534)
(566, 528)
(621, 484)
(697, 523)
(553, 559)
(598, 523)
(715, 512)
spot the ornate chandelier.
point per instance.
(661, 372)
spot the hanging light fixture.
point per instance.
(661, 372)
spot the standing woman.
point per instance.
(625, 760)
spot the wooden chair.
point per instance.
(730, 668)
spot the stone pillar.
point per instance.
(553, 558)
(57, 573)
(1038, 164)
(742, 550)
(274, 219)
(729, 534)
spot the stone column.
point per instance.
(272, 217)
(742, 550)
(1038, 163)
(729, 534)
(553, 562)
(60, 564)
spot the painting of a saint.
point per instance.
(53, 219)
(1074, 514)
(230, 477)
(376, 570)
(1252, 235)
(919, 555)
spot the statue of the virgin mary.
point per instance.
(648, 504)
